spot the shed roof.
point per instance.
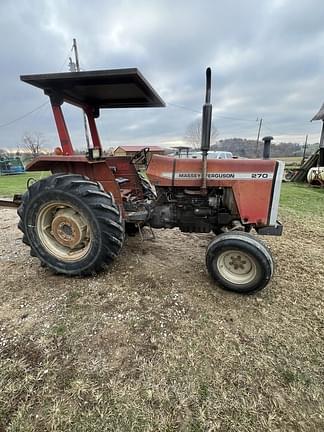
(320, 114)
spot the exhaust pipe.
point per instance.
(267, 146)
(206, 129)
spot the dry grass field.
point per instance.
(153, 345)
(291, 160)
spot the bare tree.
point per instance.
(193, 134)
(33, 142)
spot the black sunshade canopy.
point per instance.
(115, 88)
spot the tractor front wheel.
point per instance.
(239, 262)
(71, 224)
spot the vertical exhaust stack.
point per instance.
(267, 147)
(206, 129)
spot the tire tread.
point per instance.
(101, 204)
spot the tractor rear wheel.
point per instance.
(239, 262)
(71, 224)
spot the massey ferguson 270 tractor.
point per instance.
(75, 220)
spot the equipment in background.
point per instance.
(11, 165)
(315, 176)
(182, 151)
(312, 169)
(300, 175)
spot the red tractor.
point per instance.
(75, 220)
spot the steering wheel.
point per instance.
(141, 157)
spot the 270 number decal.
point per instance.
(260, 175)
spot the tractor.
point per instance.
(75, 220)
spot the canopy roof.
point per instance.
(115, 88)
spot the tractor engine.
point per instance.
(190, 210)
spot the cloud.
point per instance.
(266, 60)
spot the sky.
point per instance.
(266, 58)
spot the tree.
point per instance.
(33, 142)
(193, 134)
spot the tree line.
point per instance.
(33, 144)
(249, 149)
(244, 147)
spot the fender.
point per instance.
(106, 171)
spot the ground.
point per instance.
(154, 345)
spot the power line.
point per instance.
(238, 119)
(24, 115)
(234, 118)
(38, 107)
(266, 127)
(278, 133)
(214, 115)
(66, 59)
(184, 108)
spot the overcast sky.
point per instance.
(266, 57)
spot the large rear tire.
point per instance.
(71, 224)
(239, 262)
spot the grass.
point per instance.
(302, 199)
(15, 184)
(297, 197)
(291, 160)
(153, 346)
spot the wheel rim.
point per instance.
(237, 267)
(63, 231)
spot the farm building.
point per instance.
(132, 150)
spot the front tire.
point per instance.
(71, 224)
(239, 262)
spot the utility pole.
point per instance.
(258, 137)
(320, 116)
(304, 154)
(76, 68)
(75, 48)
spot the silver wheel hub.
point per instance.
(68, 228)
(63, 231)
(237, 264)
(237, 267)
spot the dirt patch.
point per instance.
(153, 344)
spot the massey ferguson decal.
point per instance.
(220, 175)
